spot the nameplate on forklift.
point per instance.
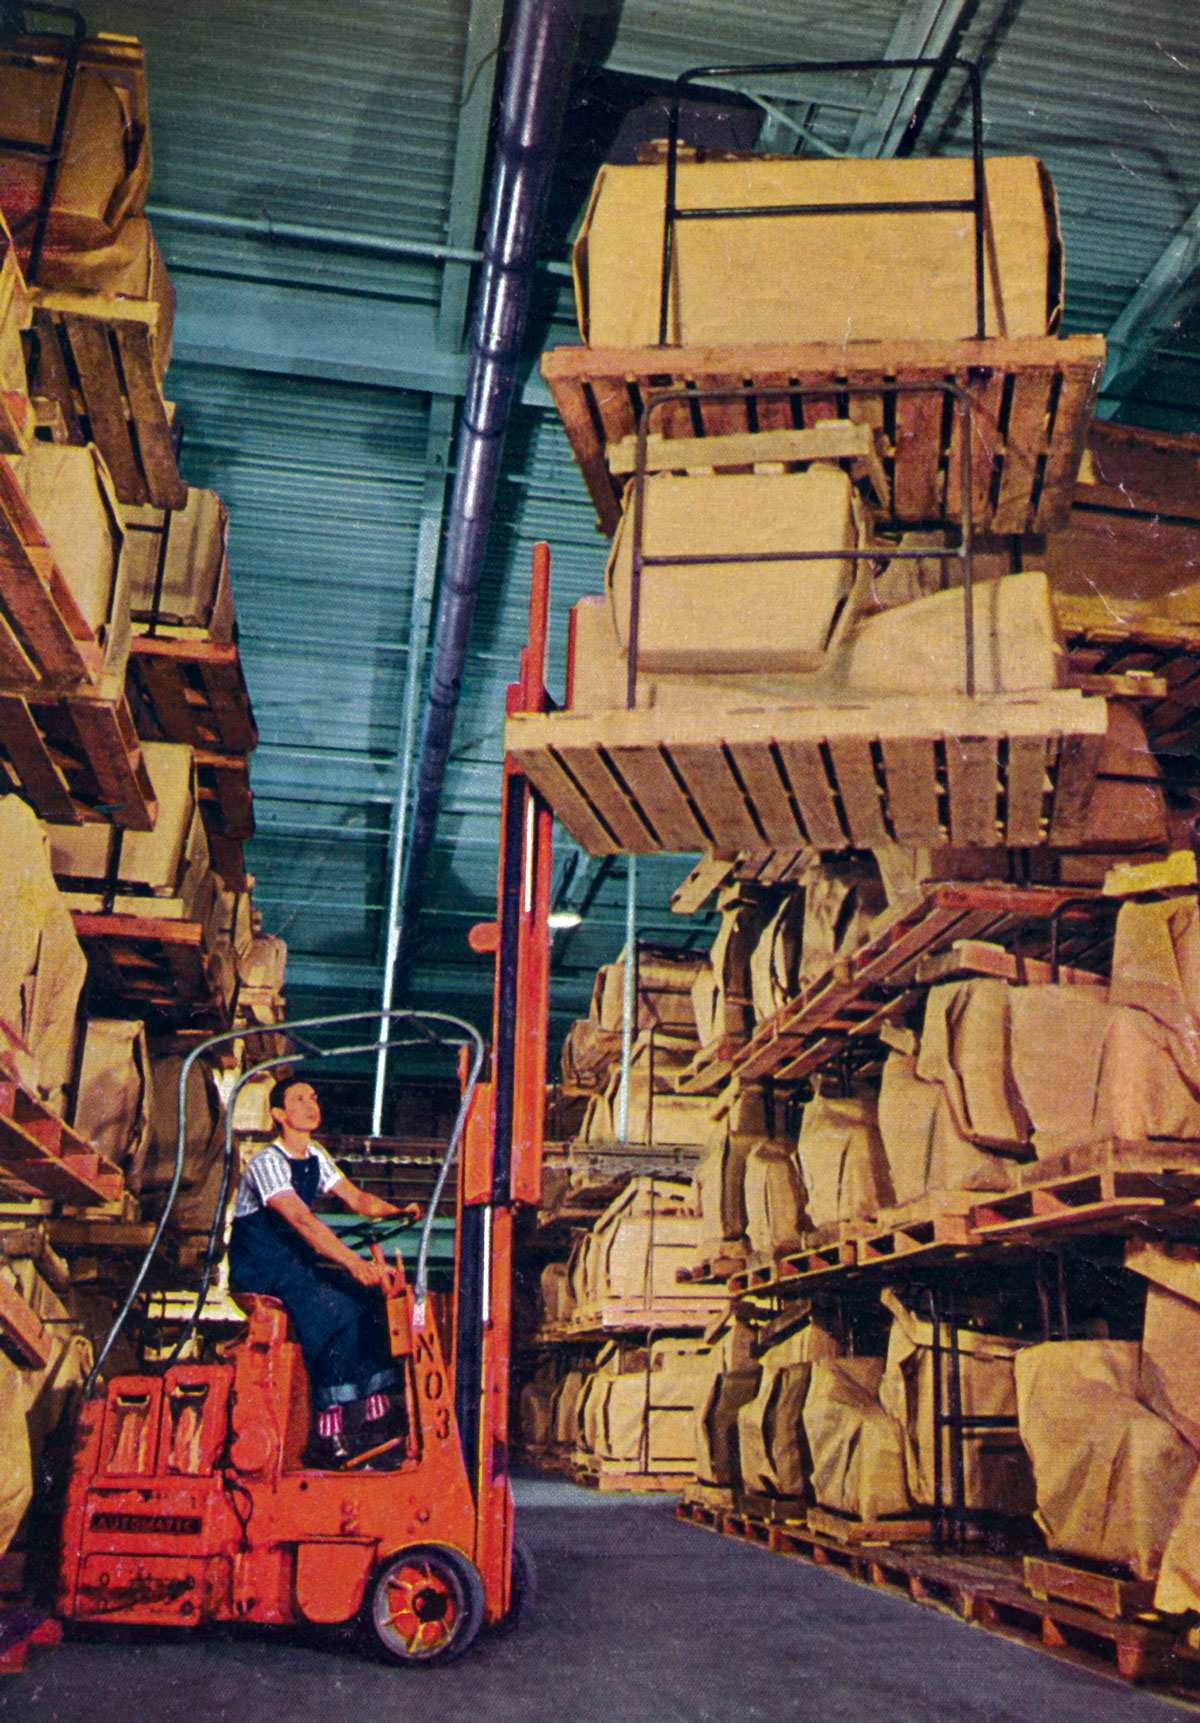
(164, 1525)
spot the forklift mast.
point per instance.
(500, 1165)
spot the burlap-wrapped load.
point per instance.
(42, 966)
(842, 1159)
(775, 959)
(775, 1198)
(1169, 1376)
(645, 1234)
(196, 591)
(1150, 1074)
(663, 994)
(150, 1172)
(1111, 1476)
(732, 1380)
(555, 1301)
(70, 490)
(104, 168)
(923, 1146)
(996, 1471)
(565, 1411)
(739, 1126)
(721, 992)
(654, 1114)
(645, 1413)
(772, 1446)
(857, 1448)
(842, 897)
(537, 1407)
(114, 1102)
(588, 1408)
(32, 1399)
(589, 1054)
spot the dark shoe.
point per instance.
(325, 1453)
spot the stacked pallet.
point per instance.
(946, 1031)
(127, 931)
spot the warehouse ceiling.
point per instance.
(318, 184)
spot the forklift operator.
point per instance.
(279, 1247)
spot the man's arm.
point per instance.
(322, 1239)
(371, 1207)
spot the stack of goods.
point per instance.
(732, 1383)
(773, 1454)
(633, 1251)
(42, 967)
(637, 1409)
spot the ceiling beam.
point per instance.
(1170, 289)
(923, 31)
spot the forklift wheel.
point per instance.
(523, 1592)
(426, 1605)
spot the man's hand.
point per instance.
(366, 1273)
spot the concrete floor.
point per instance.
(639, 1620)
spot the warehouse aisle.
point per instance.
(640, 1620)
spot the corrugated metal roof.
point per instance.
(347, 119)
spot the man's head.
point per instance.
(294, 1106)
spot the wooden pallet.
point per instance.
(40, 1156)
(1101, 1187)
(145, 964)
(677, 1316)
(984, 1591)
(1161, 654)
(997, 769)
(225, 797)
(1031, 404)
(849, 1529)
(856, 995)
(710, 1271)
(191, 690)
(1115, 1596)
(596, 1472)
(92, 361)
(76, 757)
(44, 640)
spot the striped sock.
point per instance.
(375, 1407)
(329, 1423)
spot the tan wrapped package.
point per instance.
(596, 666)
(842, 1160)
(857, 1449)
(589, 1407)
(1111, 1476)
(1169, 1379)
(104, 168)
(965, 1048)
(565, 1410)
(128, 267)
(720, 1186)
(643, 1236)
(717, 1456)
(151, 1171)
(908, 1110)
(71, 493)
(554, 1293)
(775, 959)
(1058, 1035)
(196, 590)
(722, 618)
(996, 1472)
(32, 1401)
(721, 995)
(653, 1115)
(838, 278)
(155, 860)
(645, 1415)
(772, 1446)
(1143, 1091)
(537, 1406)
(663, 993)
(842, 896)
(42, 967)
(114, 1103)
(775, 1198)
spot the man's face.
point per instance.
(301, 1111)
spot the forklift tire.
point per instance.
(523, 1592)
(425, 1605)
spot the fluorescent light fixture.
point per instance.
(563, 918)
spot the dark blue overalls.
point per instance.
(341, 1325)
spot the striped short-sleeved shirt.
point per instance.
(269, 1175)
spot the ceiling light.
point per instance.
(559, 919)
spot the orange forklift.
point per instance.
(188, 1500)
